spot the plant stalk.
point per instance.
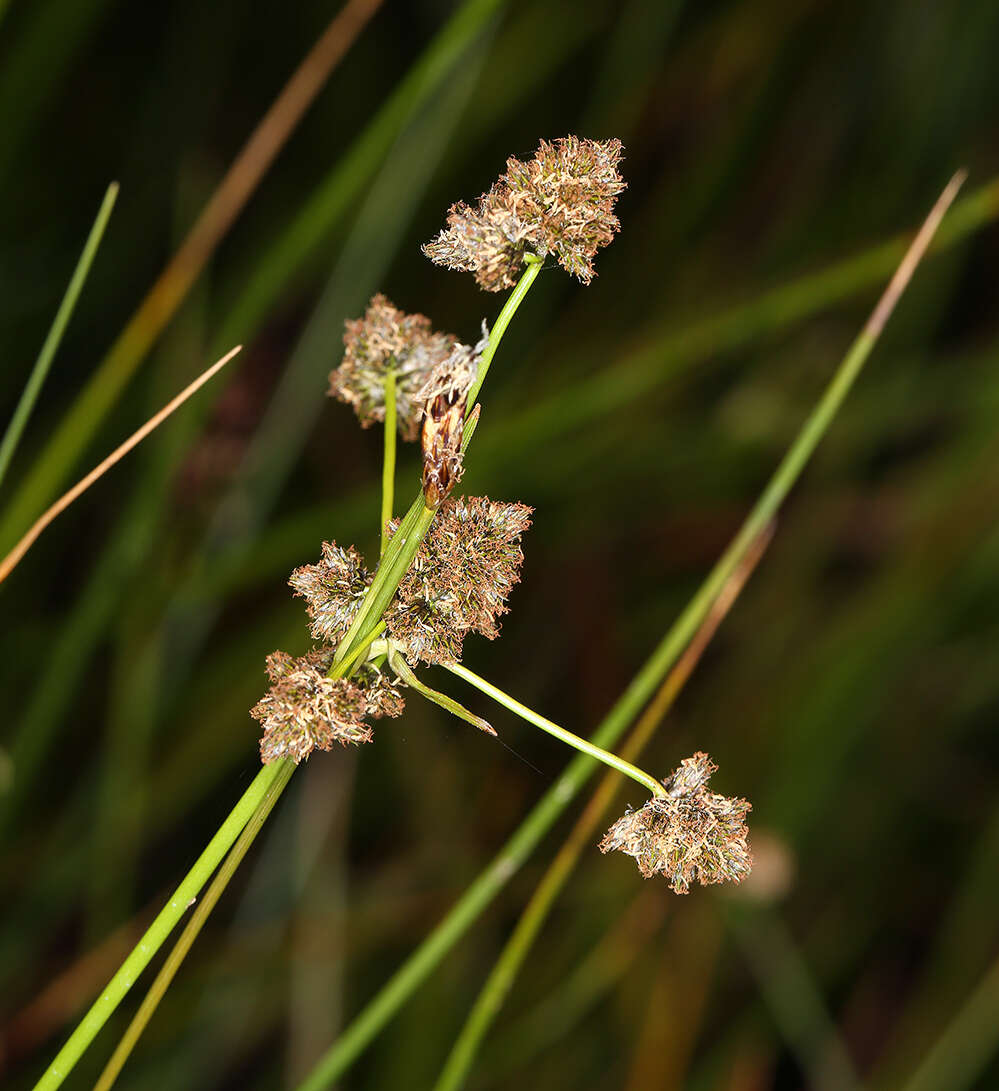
(154, 937)
(190, 933)
(532, 717)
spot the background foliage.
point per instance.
(850, 695)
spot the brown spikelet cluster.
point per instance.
(460, 579)
(388, 338)
(304, 710)
(561, 202)
(333, 590)
(690, 835)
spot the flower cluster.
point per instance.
(460, 579)
(690, 834)
(304, 710)
(561, 202)
(387, 338)
(458, 583)
(332, 589)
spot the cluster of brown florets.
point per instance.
(561, 202)
(689, 835)
(458, 583)
(305, 710)
(389, 339)
(460, 578)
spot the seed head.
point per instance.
(460, 578)
(305, 711)
(333, 590)
(561, 202)
(692, 834)
(387, 338)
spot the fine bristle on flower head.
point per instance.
(333, 590)
(690, 835)
(304, 710)
(561, 202)
(460, 578)
(387, 338)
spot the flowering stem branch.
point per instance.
(186, 939)
(513, 301)
(402, 547)
(532, 717)
(388, 464)
(114, 992)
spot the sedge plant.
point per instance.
(446, 569)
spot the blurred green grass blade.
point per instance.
(793, 996)
(75, 641)
(360, 1033)
(32, 70)
(343, 185)
(962, 1052)
(39, 372)
(516, 950)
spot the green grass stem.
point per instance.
(193, 927)
(154, 937)
(33, 387)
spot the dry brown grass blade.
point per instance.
(13, 558)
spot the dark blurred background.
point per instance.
(851, 695)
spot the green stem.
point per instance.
(343, 669)
(388, 464)
(561, 733)
(449, 704)
(546, 812)
(190, 933)
(38, 373)
(503, 319)
(156, 934)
